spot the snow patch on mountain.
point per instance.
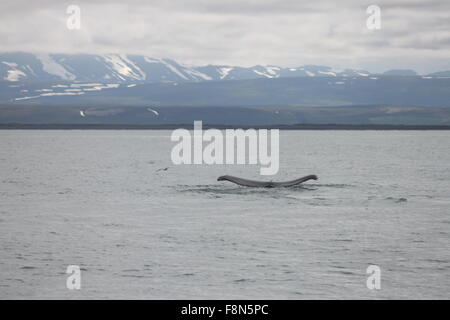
(10, 64)
(328, 73)
(151, 60)
(262, 74)
(173, 69)
(274, 71)
(123, 67)
(197, 74)
(224, 71)
(26, 98)
(52, 67)
(14, 74)
(140, 75)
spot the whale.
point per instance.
(266, 184)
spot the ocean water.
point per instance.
(97, 199)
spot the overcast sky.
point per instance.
(414, 33)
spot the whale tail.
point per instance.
(266, 184)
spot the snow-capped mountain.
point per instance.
(98, 68)
(117, 68)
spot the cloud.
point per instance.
(244, 32)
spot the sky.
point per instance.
(414, 34)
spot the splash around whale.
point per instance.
(266, 184)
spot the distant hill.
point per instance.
(400, 72)
(21, 66)
(306, 91)
(440, 74)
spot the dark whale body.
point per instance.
(266, 184)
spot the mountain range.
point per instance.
(121, 68)
(133, 89)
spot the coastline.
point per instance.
(52, 126)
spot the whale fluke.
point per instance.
(266, 184)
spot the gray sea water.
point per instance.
(97, 200)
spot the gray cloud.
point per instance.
(414, 34)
